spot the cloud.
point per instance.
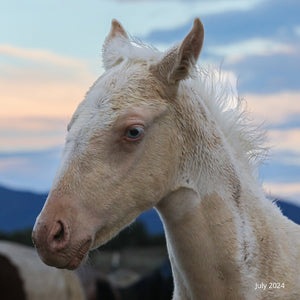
(27, 142)
(238, 51)
(297, 30)
(39, 92)
(42, 56)
(280, 113)
(32, 124)
(276, 108)
(274, 20)
(32, 170)
(179, 12)
(41, 65)
(27, 133)
(25, 106)
(285, 140)
(272, 73)
(81, 30)
(286, 191)
(277, 169)
(167, 30)
(260, 44)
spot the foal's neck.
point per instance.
(202, 244)
(223, 236)
(201, 217)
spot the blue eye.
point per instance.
(134, 133)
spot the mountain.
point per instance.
(151, 221)
(19, 210)
(290, 210)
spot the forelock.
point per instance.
(122, 49)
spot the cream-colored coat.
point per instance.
(155, 130)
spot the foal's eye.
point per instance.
(134, 133)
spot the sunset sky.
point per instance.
(50, 54)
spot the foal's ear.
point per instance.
(116, 38)
(176, 64)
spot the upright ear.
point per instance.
(176, 64)
(116, 38)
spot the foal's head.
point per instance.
(123, 148)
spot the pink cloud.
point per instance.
(285, 140)
(46, 82)
(287, 191)
(33, 124)
(39, 97)
(28, 143)
(274, 108)
(29, 133)
(41, 56)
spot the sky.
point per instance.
(50, 54)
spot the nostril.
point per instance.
(59, 236)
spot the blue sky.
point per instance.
(50, 53)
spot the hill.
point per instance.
(19, 210)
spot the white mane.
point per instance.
(230, 112)
(214, 88)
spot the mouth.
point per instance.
(79, 257)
